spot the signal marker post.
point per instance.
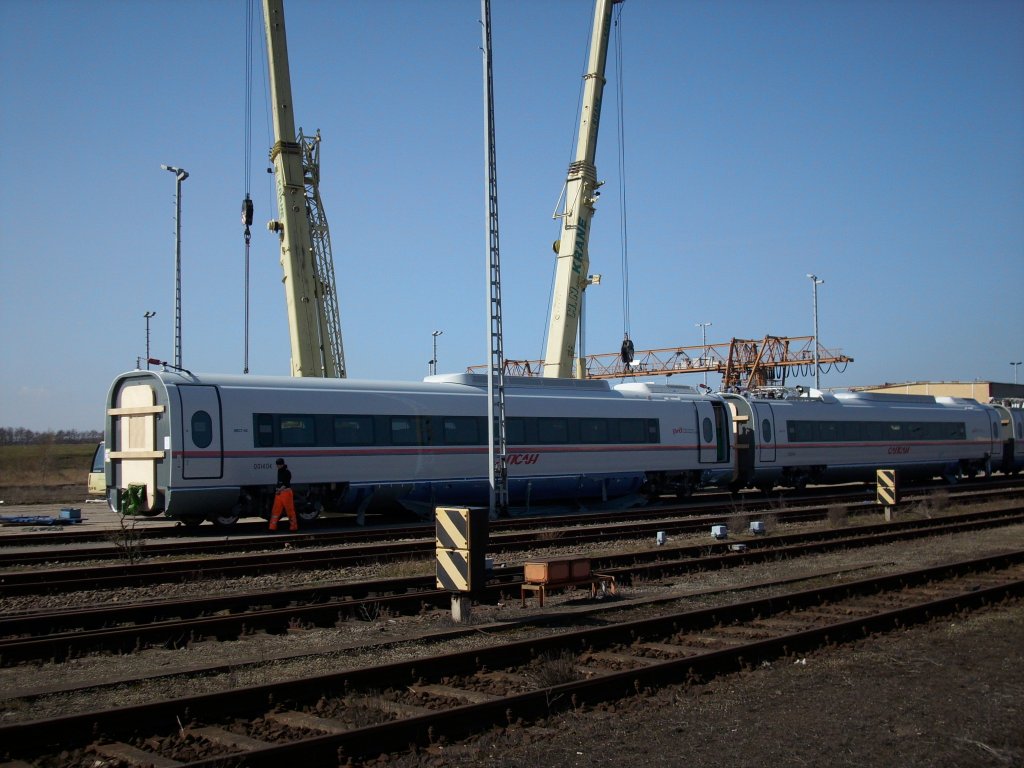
(886, 491)
(461, 546)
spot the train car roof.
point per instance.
(897, 399)
(521, 382)
(452, 382)
(651, 388)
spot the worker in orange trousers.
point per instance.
(284, 499)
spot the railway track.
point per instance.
(74, 545)
(331, 718)
(401, 544)
(66, 633)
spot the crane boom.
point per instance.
(573, 259)
(313, 325)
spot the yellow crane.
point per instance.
(313, 319)
(573, 258)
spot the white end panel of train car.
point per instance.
(203, 450)
(137, 452)
(765, 425)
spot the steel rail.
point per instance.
(34, 581)
(35, 739)
(64, 634)
(328, 531)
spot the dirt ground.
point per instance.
(949, 694)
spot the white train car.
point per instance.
(826, 438)
(1011, 432)
(198, 447)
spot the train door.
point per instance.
(712, 435)
(764, 418)
(202, 449)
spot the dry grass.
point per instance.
(838, 516)
(554, 669)
(36, 474)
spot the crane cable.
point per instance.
(247, 208)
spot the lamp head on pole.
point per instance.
(180, 173)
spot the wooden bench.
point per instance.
(597, 581)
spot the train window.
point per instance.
(653, 431)
(264, 433)
(202, 429)
(553, 431)
(593, 430)
(404, 430)
(463, 430)
(632, 431)
(515, 431)
(872, 431)
(828, 431)
(802, 431)
(853, 431)
(894, 431)
(353, 430)
(709, 430)
(297, 430)
(766, 430)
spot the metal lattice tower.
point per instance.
(320, 239)
(497, 453)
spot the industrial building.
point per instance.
(982, 391)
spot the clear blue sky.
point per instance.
(877, 144)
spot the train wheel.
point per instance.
(224, 519)
(684, 488)
(308, 512)
(193, 521)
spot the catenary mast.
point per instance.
(313, 325)
(573, 259)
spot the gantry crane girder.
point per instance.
(743, 363)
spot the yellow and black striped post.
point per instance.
(461, 547)
(886, 490)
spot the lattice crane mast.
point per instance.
(313, 322)
(573, 260)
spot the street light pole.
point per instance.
(817, 373)
(179, 176)
(147, 316)
(704, 352)
(1015, 370)
(433, 362)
